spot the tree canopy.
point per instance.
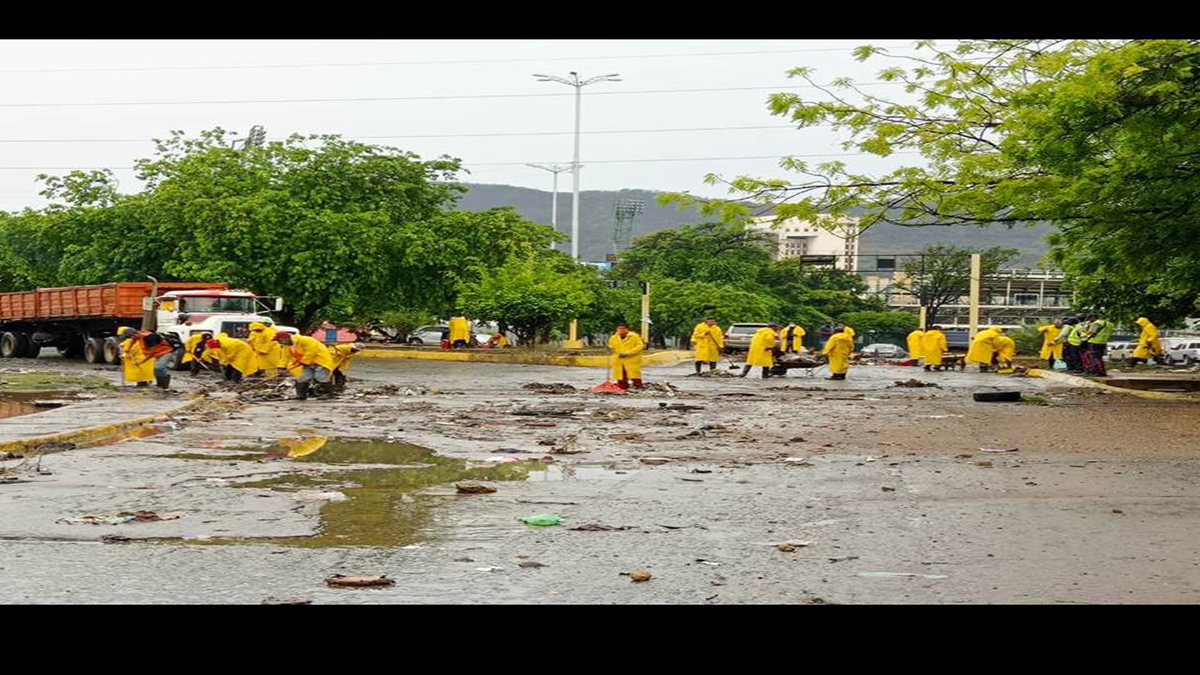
(1100, 138)
(942, 274)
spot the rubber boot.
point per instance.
(698, 365)
(163, 382)
(766, 372)
(745, 371)
(143, 384)
(712, 365)
(927, 369)
(637, 383)
(623, 384)
(302, 390)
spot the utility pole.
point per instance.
(554, 169)
(976, 267)
(575, 81)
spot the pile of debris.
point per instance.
(550, 387)
(713, 373)
(913, 382)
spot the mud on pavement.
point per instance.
(726, 490)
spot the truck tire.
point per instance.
(93, 350)
(10, 346)
(29, 350)
(112, 351)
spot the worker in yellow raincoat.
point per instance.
(762, 350)
(237, 356)
(708, 340)
(137, 370)
(792, 338)
(983, 348)
(460, 332)
(268, 351)
(626, 357)
(1006, 350)
(933, 347)
(838, 348)
(342, 356)
(314, 360)
(195, 350)
(1149, 346)
(914, 344)
(1052, 348)
(497, 341)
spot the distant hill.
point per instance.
(596, 223)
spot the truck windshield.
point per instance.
(206, 304)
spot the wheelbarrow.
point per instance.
(809, 363)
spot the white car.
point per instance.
(1187, 353)
(1120, 351)
(886, 351)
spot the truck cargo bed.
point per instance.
(116, 300)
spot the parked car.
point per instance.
(737, 338)
(427, 335)
(1187, 353)
(884, 351)
(1120, 351)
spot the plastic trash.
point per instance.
(1059, 364)
(542, 519)
(609, 387)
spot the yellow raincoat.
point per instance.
(933, 347)
(1050, 348)
(914, 343)
(761, 348)
(1148, 342)
(307, 351)
(838, 348)
(460, 329)
(1006, 348)
(708, 341)
(983, 346)
(342, 356)
(189, 348)
(131, 354)
(268, 351)
(797, 334)
(239, 354)
(632, 345)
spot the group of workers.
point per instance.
(147, 356)
(1081, 342)
(990, 348)
(770, 342)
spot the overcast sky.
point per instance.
(495, 67)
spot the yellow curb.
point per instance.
(1084, 382)
(668, 357)
(93, 432)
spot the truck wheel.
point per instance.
(112, 351)
(93, 350)
(29, 350)
(10, 346)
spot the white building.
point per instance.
(798, 238)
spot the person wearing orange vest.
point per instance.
(151, 346)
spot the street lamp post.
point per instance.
(554, 169)
(574, 81)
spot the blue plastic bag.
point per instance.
(1059, 364)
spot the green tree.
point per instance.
(677, 306)
(941, 275)
(527, 294)
(711, 252)
(1098, 137)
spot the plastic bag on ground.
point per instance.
(542, 519)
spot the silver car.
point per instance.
(1187, 353)
(884, 351)
(739, 335)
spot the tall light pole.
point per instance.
(574, 81)
(554, 169)
(579, 84)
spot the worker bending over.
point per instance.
(342, 356)
(708, 340)
(314, 360)
(460, 332)
(1006, 351)
(237, 357)
(792, 339)
(838, 348)
(131, 356)
(983, 348)
(933, 347)
(1149, 346)
(146, 347)
(762, 350)
(914, 345)
(497, 341)
(626, 357)
(1052, 349)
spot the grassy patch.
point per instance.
(47, 381)
(1034, 399)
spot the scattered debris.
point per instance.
(796, 439)
(488, 569)
(679, 406)
(885, 488)
(700, 471)
(983, 463)
(547, 410)
(550, 387)
(500, 460)
(11, 455)
(464, 560)
(654, 461)
(998, 449)
(889, 575)
(798, 461)
(120, 518)
(473, 487)
(277, 601)
(596, 527)
(786, 548)
(359, 580)
(843, 559)
(638, 576)
(531, 564)
(52, 447)
(1117, 511)
(913, 382)
(626, 437)
(542, 520)
(115, 539)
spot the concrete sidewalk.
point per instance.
(88, 420)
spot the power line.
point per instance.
(142, 69)
(450, 97)
(478, 135)
(523, 163)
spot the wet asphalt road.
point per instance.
(886, 519)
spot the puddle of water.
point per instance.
(16, 403)
(14, 409)
(383, 508)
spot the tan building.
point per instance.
(803, 239)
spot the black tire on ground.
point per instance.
(10, 346)
(93, 350)
(29, 350)
(112, 351)
(998, 396)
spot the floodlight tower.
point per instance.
(626, 210)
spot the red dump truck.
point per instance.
(82, 321)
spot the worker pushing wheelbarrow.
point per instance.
(807, 362)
